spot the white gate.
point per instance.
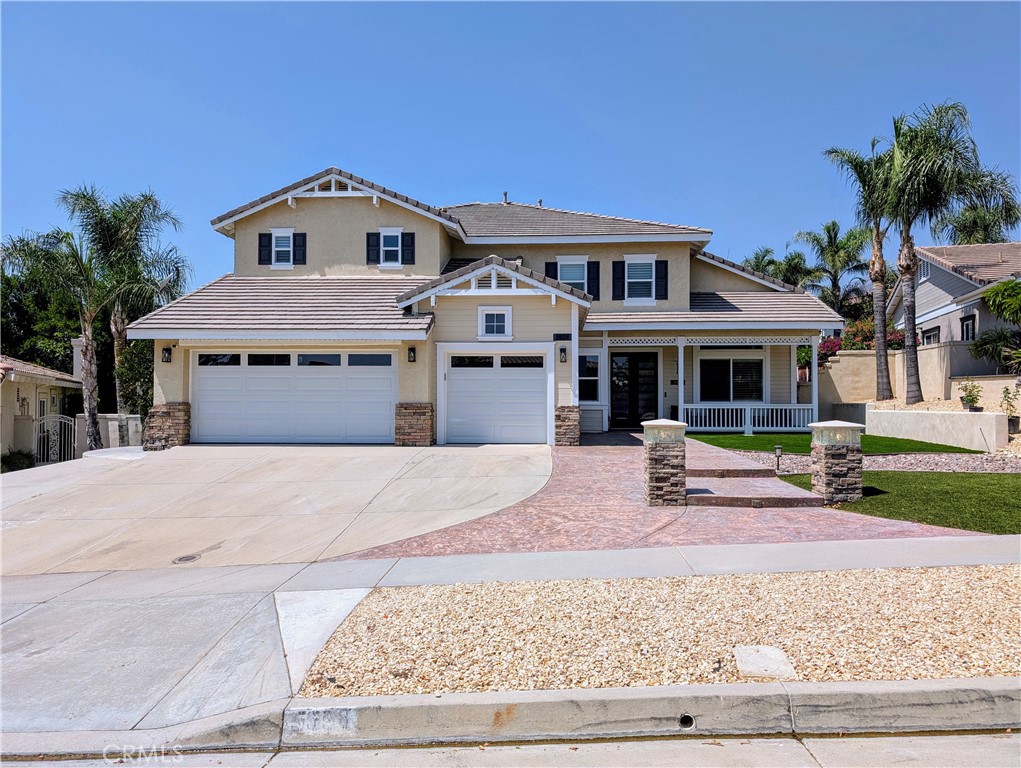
(54, 439)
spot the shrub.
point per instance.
(12, 461)
(862, 335)
(828, 347)
(971, 392)
(999, 346)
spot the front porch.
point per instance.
(714, 383)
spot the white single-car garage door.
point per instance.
(500, 398)
(293, 397)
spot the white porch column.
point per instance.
(680, 378)
(814, 373)
(575, 333)
(794, 374)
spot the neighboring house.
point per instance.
(949, 287)
(28, 392)
(357, 314)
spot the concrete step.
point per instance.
(733, 472)
(756, 492)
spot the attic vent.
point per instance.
(503, 281)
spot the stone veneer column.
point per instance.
(665, 475)
(414, 424)
(567, 425)
(836, 460)
(166, 426)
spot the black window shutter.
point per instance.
(265, 248)
(551, 270)
(372, 247)
(618, 281)
(299, 248)
(593, 280)
(660, 280)
(407, 248)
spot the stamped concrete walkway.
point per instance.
(595, 499)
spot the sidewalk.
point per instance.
(212, 656)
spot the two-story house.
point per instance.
(356, 314)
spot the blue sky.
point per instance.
(709, 114)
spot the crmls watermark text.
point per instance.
(119, 752)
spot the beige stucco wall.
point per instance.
(708, 278)
(534, 257)
(32, 390)
(8, 410)
(170, 380)
(336, 229)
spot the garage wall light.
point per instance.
(411, 354)
(167, 355)
(563, 354)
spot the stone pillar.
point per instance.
(664, 463)
(836, 460)
(567, 425)
(167, 425)
(414, 424)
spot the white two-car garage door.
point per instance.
(497, 399)
(293, 397)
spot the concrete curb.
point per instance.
(752, 709)
(741, 709)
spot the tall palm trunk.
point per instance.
(90, 387)
(907, 266)
(877, 273)
(119, 332)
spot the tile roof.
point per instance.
(12, 364)
(742, 268)
(513, 266)
(333, 170)
(291, 304)
(737, 308)
(984, 263)
(520, 220)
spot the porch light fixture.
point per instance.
(411, 354)
(778, 450)
(168, 354)
(563, 354)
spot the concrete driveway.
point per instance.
(250, 505)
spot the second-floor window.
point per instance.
(495, 323)
(574, 272)
(968, 328)
(640, 276)
(930, 336)
(283, 247)
(390, 238)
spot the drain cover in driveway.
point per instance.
(186, 559)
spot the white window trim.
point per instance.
(583, 260)
(383, 232)
(273, 233)
(508, 325)
(600, 353)
(639, 258)
(926, 332)
(732, 355)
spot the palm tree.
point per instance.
(837, 259)
(989, 212)
(935, 171)
(762, 260)
(793, 269)
(66, 265)
(125, 232)
(870, 174)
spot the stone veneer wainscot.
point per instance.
(167, 425)
(414, 424)
(567, 425)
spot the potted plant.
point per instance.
(971, 393)
(1009, 403)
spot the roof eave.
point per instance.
(297, 334)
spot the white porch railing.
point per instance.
(748, 418)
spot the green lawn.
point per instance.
(971, 501)
(801, 442)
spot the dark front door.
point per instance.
(634, 389)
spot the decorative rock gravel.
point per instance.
(892, 624)
(798, 464)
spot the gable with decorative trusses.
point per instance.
(331, 183)
(494, 277)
